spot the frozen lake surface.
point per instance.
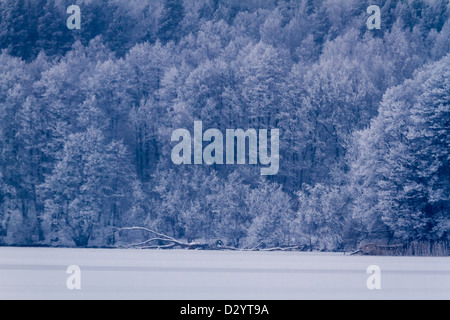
(40, 273)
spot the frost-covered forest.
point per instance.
(86, 118)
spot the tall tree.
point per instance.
(15, 29)
(53, 36)
(323, 221)
(86, 192)
(228, 203)
(272, 215)
(120, 30)
(405, 177)
(169, 22)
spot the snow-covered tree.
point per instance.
(402, 163)
(88, 189)
(272, 215)
(322, 220)
(169, 23)
(229, 207)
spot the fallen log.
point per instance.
(169, 242)
(162, 241)
(355, 252)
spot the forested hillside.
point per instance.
(86, 117)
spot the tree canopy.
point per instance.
(86, 118)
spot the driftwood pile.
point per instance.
(161, 241)
(158, 240)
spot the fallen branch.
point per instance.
(148, 230)
(162, 241)
(145, 242)
(171, 242)
(282, 248)
(167, 246)
(355, 252)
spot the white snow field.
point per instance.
(40, 273)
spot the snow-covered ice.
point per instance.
(40, 273)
